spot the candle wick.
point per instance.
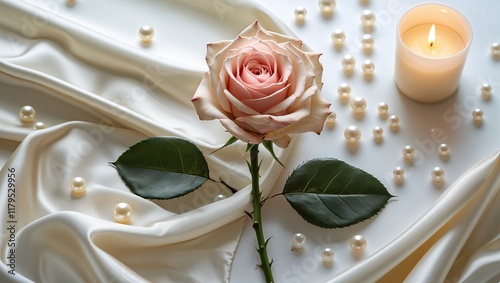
(432, 43)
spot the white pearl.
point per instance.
(338, 37)
(408, 152)
(378, 133)
(358, 243)
(327, 255)
(344, 90)
(495, 49)
(300, 13)
(327, 6)
(70, 3)
(27, 114)
(78, 186)
(219, 197)
(486, 91)
(367, 41)
(437, 174)
(443, 149)
(298, 241)
(352, 134)
(39, 126)
(394, 121)
(330, 120)
(383, 109)
(398, 173)
(146, 33)
(477, 114)
(348, 62)
(358, 104)
(122, 213)
(368, 67)
(368, 18)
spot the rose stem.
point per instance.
(257, 217)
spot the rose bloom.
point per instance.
(262, 85)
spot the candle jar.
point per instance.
(428, 69)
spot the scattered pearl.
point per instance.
(327, 6)
(352, 134)
(348, 62)
(338, 37)
(383, 109)
(367, 41)
(486, 91)
(437, 174)
(408, 152)
(78, 187)
(394, 122)
(368, 18)
(298, 241)
(70, 3)
(358, 243)
(358, 104)
(300, 13)
(477, 114)
(378, 133)
(39, 126)
(330, 120)
(344, 90)
(398, 173)
(443, 150)
(327, 255)
(368, 67)
(146, 33)
(27, 114)
(122, 213)
(495, 49)
(219, 197)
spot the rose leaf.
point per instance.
(162, 168)
(229, 142)
(330, 193)
(269, 146)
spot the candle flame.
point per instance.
(432, 36)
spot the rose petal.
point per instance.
(238, 108)
(263, 123)
(240, 133)
(261, 105)
(282, 141)
(205, 102)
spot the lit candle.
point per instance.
(432, 45)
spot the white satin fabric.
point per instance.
(99, 95)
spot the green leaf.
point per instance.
(269, 146)
(229, 142)
(330, 193)
(162, 168)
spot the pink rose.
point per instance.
(262, 85)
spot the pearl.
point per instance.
(368, 67)
(378, 133)
(78, 187)
(477, 114)
(327, 6)
(327, 255)
(344, 90)
(146, 33)
(27, 114)
(368, 18)
(408, 152)
(39, 126)
(486, 91)
(122, 213)
(358, 104)
(358, 243)
(495, 49)
(348, 62)
(300, 13)
(383, 109)
(394, 122)
(367, 41)
(70, 3)
(437, 174)
(338, 37)
(219, 197)
(298, 241)
(443, 149)
(330, 120)
(398, 173)
(352, 134)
